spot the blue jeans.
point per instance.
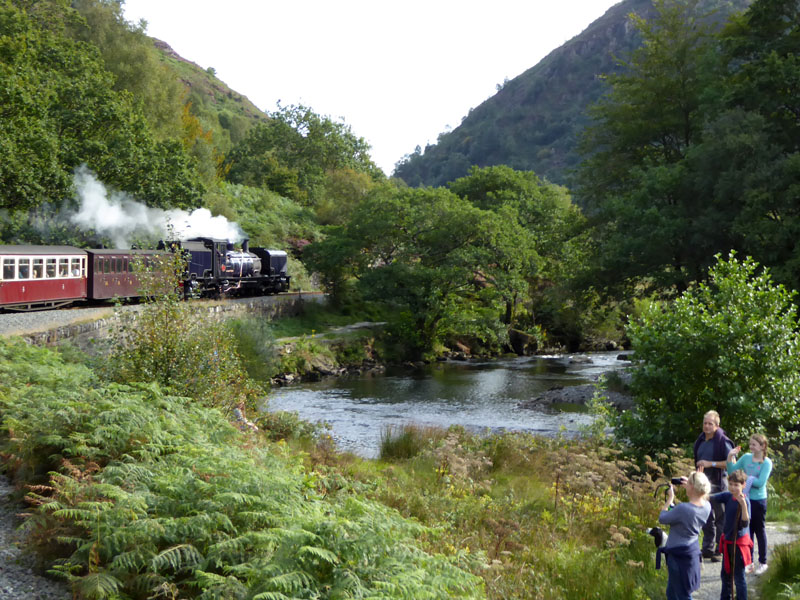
(675, 589)
(758, 530)
(738, 578)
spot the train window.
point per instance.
(50, 267)
(8, 268)
(119, 265)
(24, 270)
(63, 267)
(106, 265)
(77, 266)
(126, 266)
(38, 268)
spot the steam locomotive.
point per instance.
(39, 277)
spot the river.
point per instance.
(478, 395)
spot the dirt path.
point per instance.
(777, 534)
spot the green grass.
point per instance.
(782, 579)
(316, 319)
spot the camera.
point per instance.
(677, 481)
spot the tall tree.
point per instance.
(762, 50)
(633, 179)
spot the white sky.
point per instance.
(399, 73)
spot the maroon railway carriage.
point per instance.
(37, 277)
(111, 273)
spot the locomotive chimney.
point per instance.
(246, 245)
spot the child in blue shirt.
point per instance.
(758, 468)
(735, 542)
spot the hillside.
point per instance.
(534, 121)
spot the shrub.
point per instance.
(168, 342)
(284, 425)
(255, 343)
(731, 345)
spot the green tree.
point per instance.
(130, 56)
(294, 150)
(172, 345)
(731, 345)
(416, 250)
(60, 110)
(533, 223)
(761, 49)
(633, 179)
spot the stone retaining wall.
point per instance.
(90, 333)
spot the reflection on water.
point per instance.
(476, 395)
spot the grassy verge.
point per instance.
(319, 318)
(555, 519)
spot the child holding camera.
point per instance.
(682, 549)
(757, 466)
(735, 542)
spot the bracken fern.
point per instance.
(150, 495)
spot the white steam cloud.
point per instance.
(119, 217)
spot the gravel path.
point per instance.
(777, 534)
(19, 578)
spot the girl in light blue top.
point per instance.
(758, 468)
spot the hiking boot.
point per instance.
(710, 556)
(761, 568)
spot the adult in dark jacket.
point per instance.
(711, 454)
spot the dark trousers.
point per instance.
(738, 578)
(712, 530)
(758, 530)
(675, 588)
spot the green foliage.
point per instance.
(537, 518)
(730, 345)
(291, 153)
(694, 151)
(60, 110)
(283, 425)
(466, 263)
(151, 494)
(170, 343)
(256, 347)
(787, 473)
(133, 60)
(299, 356)
(782, 580)
(270, 220)
(406, 441)
(650, 219)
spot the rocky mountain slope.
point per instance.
(534, 121)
